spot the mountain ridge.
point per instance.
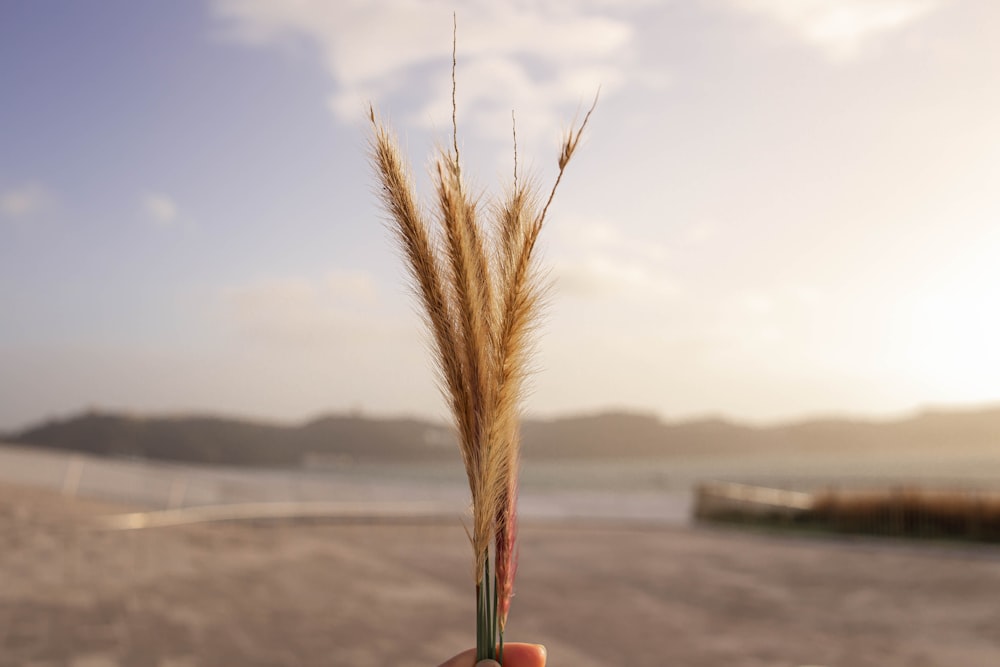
(342, 438)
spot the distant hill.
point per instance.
(215, 440)
(343, 438)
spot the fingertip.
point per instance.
(525, 655)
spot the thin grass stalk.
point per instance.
(506, 554)
(473, 295)
(484, 623)
(466, 307)
(486, 627)
(423, 265)
(496, 641)
(510, 221)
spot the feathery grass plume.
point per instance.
(481, 295)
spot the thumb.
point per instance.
(487, 663)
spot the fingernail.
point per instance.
(487, 663)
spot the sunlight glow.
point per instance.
(954, 331)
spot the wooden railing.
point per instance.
(899, 511)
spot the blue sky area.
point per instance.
(782, 207)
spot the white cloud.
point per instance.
(491, 86)
(599, 260)
(840, 27)
(354, 286)
(604, 238)
(23, 201)
(603, 276)
(307, 313)
(701, 232)
(541, 57)
(160, 208)
(756, 303)
(755, 321)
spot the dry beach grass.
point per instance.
(480, 293)
(597, 594)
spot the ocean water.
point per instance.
(658, 490)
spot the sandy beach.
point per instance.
(397, 593)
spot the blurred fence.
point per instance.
(898, 511)
(911, 512)
(728, 501)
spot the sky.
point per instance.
(780, 208)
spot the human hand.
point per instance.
(514, 655)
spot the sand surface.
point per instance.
(329, 593)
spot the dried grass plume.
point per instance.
(480, 291)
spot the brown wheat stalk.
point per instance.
(481, 295)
